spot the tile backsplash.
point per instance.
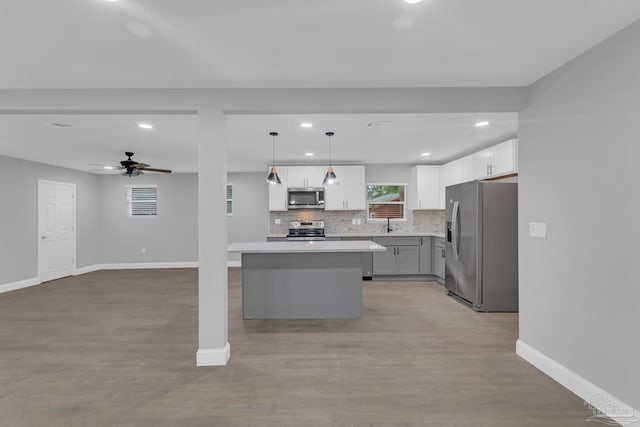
(341, 221)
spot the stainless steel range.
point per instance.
(306, 230)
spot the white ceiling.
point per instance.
(287, 43)
(172, 143)
(283, 43)
(362, 138)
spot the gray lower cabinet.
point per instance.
(401, 258)
(438, 257)
(426, 255)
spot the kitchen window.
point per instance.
(386, 201)
(229, 200)
(142, 200)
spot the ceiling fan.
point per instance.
(130, 167)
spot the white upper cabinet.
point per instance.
(498, 160)
(425, 188)
(306, 176)
(348, 194)
(355, 188)
(278, 192)
(468, 168)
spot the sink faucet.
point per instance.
(389, 225)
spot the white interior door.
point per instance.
(56, 230)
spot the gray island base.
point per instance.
(302, 280)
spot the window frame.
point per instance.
(405, 210)
(229, 199)
(130, 202)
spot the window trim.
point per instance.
(130, 202)
(405, 211)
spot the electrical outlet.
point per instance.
(353, 221)
(358, 221)
(144, 250)
(276, 221)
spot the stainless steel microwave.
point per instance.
(305, 198)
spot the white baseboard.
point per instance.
(213, 356)
(85, 270)
(604, 402)
(19, 285)
(143, 265)
(234, 263)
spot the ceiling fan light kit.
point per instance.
(273, 177)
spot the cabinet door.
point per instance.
(468, 168)
(438, 259)
(483, 161)
(315, 175)
(306, 176)
(297, 177)
(354, 188)
(503, 158)
(385, 262)
(278, 192)
(408, 260)
(425, 255)
(427, 187)
(334, 193)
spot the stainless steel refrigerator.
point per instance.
(481, 254)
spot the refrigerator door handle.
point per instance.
(454, 227)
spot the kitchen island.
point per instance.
(302, 280)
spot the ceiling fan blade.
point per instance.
(140, 165)
(157, 170)
(106, 167)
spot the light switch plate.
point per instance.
(353, 221)
(538, 229)
(358, 221)
(276, 221)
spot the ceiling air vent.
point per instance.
(60, 125)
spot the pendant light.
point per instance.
(330, 176)
(273, 177)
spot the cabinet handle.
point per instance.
(347, 203)
(443, 255)
(487, 169)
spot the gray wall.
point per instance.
(249, 222)
(579, 153)
(172, 236)
(19, 216)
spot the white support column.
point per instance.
(213, 346)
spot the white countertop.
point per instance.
(311, 247)
(392, 234)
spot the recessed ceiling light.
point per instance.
(308, 154)
(306, 125)
(482, 124)
(425, 154)
(113, 1)
(412, 1)
(145, 126)
(108, 168)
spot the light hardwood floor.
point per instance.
(117, 348)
